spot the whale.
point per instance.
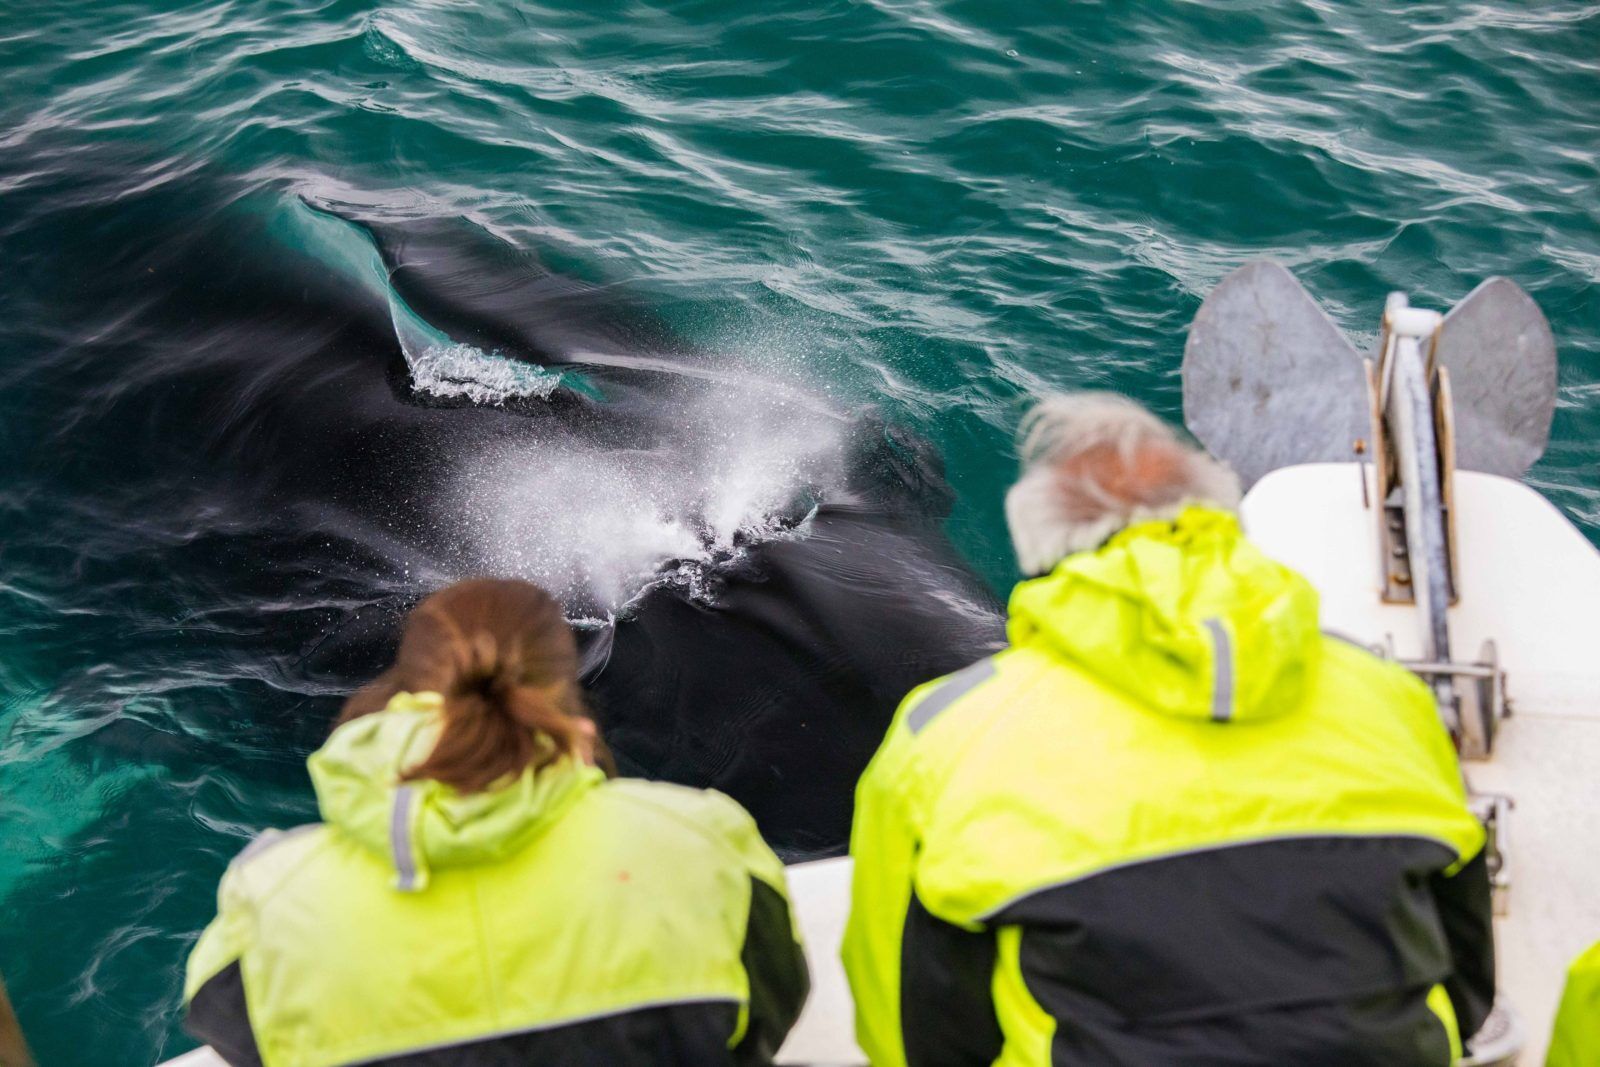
(341, 408)
(763, 657)
(267, 414)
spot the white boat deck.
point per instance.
(1530, 582)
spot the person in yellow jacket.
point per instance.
(481, 893)
(1576, 1040)
(1172, 823)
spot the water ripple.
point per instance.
(935, 206)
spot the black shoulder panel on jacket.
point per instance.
(947, 1011)
(776, 967)
(1466, 907)
(677, 1035)
(1318, 950)
(218, 1017)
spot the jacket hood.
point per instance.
(1186, 617)
(419, 825)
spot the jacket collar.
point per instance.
(419, 825)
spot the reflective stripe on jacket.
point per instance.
(1171, 824)
(563, 918)
(1576, 1041)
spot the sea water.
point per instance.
(227, 428)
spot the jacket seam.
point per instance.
(711, 837)
(1247, 1007)
(261, 844)
(1015, 701)
(967, 681)
(276, 885)
(1219, 846)
(532, 1028)
(490, 989)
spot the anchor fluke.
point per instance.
(1501, 356)
(1268, 379)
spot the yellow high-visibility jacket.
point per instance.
(1172, 824)
(561, 918)
(1576, 1041)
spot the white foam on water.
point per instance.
(597, 526)
(451, 371)
(440, 366)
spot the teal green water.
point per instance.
(935, 207)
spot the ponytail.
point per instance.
(503, 657)
(497, 729)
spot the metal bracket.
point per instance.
(1494, 811)
(1395, 565)
(1445, 434)
(1480, 694)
